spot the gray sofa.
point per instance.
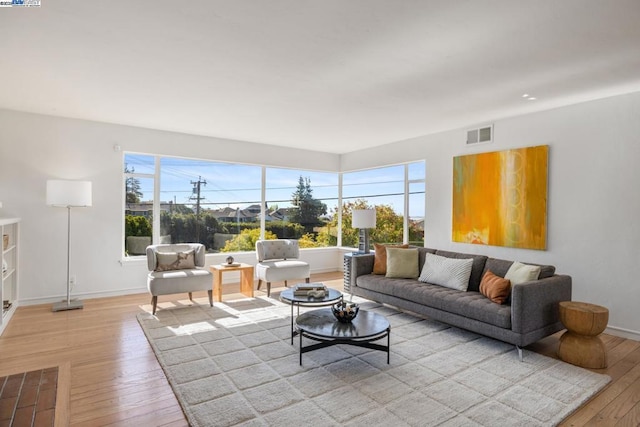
(530, 314)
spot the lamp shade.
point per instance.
(364, 218)
(64, 193)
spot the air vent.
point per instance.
(480, 135)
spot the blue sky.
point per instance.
(237, 185)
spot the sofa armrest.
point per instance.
(534, 305)
(361, 264)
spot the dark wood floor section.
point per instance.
(29, 398)
(115, 378)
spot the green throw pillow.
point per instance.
(402, 263)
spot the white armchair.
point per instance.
(278, 261)
(176, 268)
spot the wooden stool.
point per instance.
(580, 344)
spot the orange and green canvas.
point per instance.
(500, 198)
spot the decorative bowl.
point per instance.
(344, 311)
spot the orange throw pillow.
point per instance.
(495, 287)
(380, 260)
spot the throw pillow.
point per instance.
(495, 287)
(402, 263)
(448, 272)
(521, 273)
(380, 259)
(175, 260)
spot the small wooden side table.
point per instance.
(581, 345)
(246, 278)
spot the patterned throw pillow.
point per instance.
(380, 259)
(175, 260)
(448, 272)
(495, 287)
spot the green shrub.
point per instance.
(246, 240)
(285, 229)
(137, 226)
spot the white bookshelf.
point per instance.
(9, 227)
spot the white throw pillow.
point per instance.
(521, 273)
(449, 272)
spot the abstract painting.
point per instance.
(500, 198)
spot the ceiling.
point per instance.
(327, 75)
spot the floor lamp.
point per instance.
(68, 194)
(364, 219)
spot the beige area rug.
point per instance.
(233, 364)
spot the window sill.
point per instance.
(133, 260)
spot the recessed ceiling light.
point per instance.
(525, 95)
(531, 98)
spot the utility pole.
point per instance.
(196, 196)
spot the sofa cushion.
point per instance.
(168, 261)
(281, 270)
(476, 270)
(449, 272)
(496, 288)
(469, 304)
(402, 263)
(380, 260)
(177, 281)
(522, 273)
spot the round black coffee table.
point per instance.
(287, 295)
(322, 326)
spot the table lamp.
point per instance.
(364, 219)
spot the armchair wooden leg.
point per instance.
(210, 292)
(154, 303)
(285, 284)
(268, 289)
(191, 296)
(307, 279)
(259, 283)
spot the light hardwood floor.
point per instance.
(115, 378)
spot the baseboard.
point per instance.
(623, 333)
(83, 296)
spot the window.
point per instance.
(299, 205)
(392, 190)
(416, 200)
(214, 203)
(139, 178)
(227, 207)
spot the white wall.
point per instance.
(34, 148)
(593, 205)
